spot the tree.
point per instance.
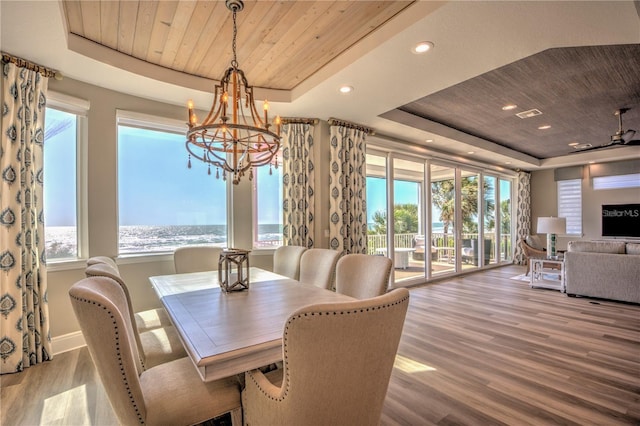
(443, 197)
(405, 220)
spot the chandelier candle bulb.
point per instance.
(191, 116)
(265, 106)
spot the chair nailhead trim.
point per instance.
(119, 354)
(286, 340)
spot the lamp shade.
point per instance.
(552, 225)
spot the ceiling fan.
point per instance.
(619, 138)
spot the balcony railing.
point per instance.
(439, 239)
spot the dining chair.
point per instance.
(362, 276)
(157, 339)
(102, 259)
(337, 361)
(286, 261)
(318, 266)
(196, 259)
(171, 393)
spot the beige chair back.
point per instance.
(337, 364)
(362, 276)
(318, 266)
(105, 270)
(102, 259)
(196, 259)
(101, 308)
(286, 261)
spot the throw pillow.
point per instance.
(535, 241)
(633, 248)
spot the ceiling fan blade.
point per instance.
(635, 142)
(607, 145)
(626, 136)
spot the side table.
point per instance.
(547, 272)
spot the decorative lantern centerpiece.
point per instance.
(233, 270)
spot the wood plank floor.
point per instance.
(476, 350)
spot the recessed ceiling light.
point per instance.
(592, 162)
(471, 152)
(429, 140)
(545, 127)
(346, 89)
(422, 47)
(509, 107)
(574, 144)
(507, 162)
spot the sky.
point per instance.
(157, 186)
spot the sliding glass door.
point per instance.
(446, 218)
(443, 223)
(408, 223)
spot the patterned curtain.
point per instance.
(523, 215)
(347, 181)
(24, 314)
(298, 184)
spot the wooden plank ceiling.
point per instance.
(279, 43)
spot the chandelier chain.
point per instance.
(234, 62)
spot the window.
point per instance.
(162, 204)
(64, 136)
(617, 182)
(570, 204)
(267, 201)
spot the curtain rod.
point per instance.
(349, 125)
(299, 120)
(23, 63)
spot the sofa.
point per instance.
(603, 269)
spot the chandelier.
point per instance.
(233, 137)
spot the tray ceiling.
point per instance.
(577, 90)
(280, 43)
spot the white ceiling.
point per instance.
(470, 39)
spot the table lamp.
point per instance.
(552, 226)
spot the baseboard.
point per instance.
(67, 342)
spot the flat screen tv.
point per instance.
(621, 220)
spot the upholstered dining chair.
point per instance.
(362, 276)
(337, 361)
(286, 261)
(318, 267)
(102, 259)
(156, 344)
(196, 258)
(170, 394)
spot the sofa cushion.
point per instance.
(613, 247)
(535, 241)
(633, 248)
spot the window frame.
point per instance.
(574, 211)
(254, 202)
(155, 123)
(80, 108)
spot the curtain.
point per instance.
(523, 215)
(347, 181)
(24, 318)
(298, 184)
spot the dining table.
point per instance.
(226, 334)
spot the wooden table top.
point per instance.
(230, 333)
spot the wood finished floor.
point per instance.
(476, 350)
